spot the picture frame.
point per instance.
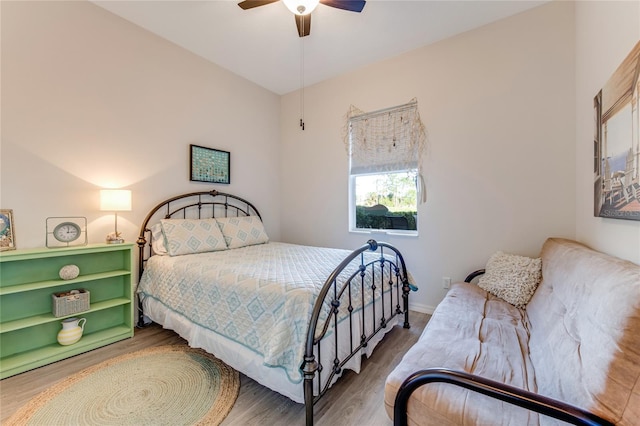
(209, 165)
(78, 222)
(616, 142)
(7, 230)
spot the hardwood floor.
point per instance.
(356, 399)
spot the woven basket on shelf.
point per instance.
(69, 303)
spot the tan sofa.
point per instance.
(575, 347)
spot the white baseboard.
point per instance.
(423, 309)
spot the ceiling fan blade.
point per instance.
(250, 4)
(303, 22)
(350, 5)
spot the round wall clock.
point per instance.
(66, 231)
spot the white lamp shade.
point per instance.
(301, 7)
(115, 200)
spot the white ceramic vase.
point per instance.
(71, 332)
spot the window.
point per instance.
(386, 201)
(385, 182)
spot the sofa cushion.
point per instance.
(474, 331)
(584, 321)
(511, 277)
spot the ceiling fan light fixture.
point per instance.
(301, 7)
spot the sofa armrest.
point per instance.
(474, 274)
(529, 400)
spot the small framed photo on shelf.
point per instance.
(7, 233)
(209, 165)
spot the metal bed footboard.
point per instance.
(338, 285)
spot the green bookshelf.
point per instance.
(28, 328)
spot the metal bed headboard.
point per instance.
(194, 205)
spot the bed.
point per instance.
(291, 317)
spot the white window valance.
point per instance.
(387, 140)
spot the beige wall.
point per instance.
(90, 100)
(499, 106)
(606, 31)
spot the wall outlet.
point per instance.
(446, 282)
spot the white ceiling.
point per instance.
(262, 44)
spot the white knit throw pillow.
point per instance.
(511, 277)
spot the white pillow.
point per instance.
(511, 277)
(157, 240)
(242, 231)
(188, 236)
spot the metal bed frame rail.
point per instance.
(516, 396)
(336, 286)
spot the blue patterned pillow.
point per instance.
(242, 231)
(188, 236)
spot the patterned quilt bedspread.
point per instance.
(260, 296)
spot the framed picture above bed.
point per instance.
(209, 165)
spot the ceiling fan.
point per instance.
(302, 9)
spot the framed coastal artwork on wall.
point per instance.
(209, 165)
(616, 142)
(7, 235)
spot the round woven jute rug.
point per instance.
(164, 385)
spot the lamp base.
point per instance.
(114, 238)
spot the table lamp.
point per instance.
(115, 200)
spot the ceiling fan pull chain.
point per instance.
(302, 82)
